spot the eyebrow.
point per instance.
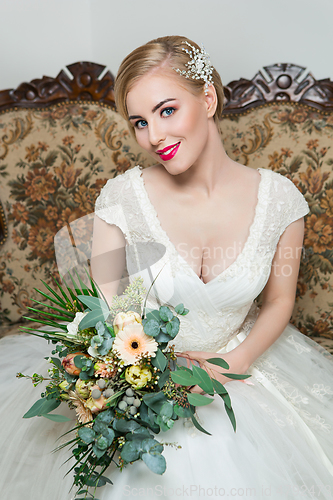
(155, 108)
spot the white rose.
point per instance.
(73, 327)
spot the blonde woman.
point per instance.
(216, 234)
(228, 233)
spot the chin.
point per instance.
(175, 169)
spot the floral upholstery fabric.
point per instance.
(296, 141)
(53, 163)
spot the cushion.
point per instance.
(53, 163)
(295, 140)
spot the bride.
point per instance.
(215, 234)
(229, 232)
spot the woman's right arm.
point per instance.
(108, 257)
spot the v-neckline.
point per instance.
(172, 246)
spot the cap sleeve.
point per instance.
(109, 205)
(289, 202)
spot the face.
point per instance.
(170, 123)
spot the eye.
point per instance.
(168, 111)
(140, 124)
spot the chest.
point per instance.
(208, 235)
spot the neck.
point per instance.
(210, 169)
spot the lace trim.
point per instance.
(251, 243)
(319, 391)
(299, 347)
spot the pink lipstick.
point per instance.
(169, 152)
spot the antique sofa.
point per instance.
(61, 139)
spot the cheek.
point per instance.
(142, 138)
(193, 121)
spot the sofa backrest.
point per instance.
(61, 139)
(285, 123)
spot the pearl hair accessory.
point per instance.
(199, 66)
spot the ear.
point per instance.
(210, 97)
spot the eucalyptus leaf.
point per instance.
(105, 347)
(92, 318)
(86, 434)
(166, 410)
(163, 338)
(147, 417)
(57, 362)
(205, 382)
(236, 376)
(151, 328)
(165, 313)
(42, 407)
(165, 423)
(71, 379)
(219, 362)
(102, 443)
(98, 452)
(226, 399)
(163, 378)
(140, 433)
(93, 302)
(219, 388)
(198, 426)
(152, 446)
(78, 361)
(100, 428)
(154, 314)
(183, 377)
(122, 425)
(179, 308)
(131, 451)
(182, 412)
(155, 400)
(155, 462)
(56, 418)
(160, 361)
(105, 416)
(231, 416)
(198, 399)
(173, 327)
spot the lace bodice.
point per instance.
(219, 308)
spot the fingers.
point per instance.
(196, 389)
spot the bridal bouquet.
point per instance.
(117, 368)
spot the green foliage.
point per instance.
(113, 430)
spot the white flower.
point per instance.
(73, 327)
(132, 343)
(123, 319)
(93, 352)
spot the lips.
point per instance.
(169, 152)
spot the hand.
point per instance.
(214, 371)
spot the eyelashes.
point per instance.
(137, 124)
(166, 112)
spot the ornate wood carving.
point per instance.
(85, 84)
(287, 83)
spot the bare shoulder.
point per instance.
(154, 175)
(243, 180)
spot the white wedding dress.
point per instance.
(283, 445)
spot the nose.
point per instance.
(156, 134)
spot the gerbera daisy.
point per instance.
(132, 343)
(83, 414)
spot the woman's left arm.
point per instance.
(278, 297)
(277, 306)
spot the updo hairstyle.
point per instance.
(162, 51)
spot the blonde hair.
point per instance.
(154, 54)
